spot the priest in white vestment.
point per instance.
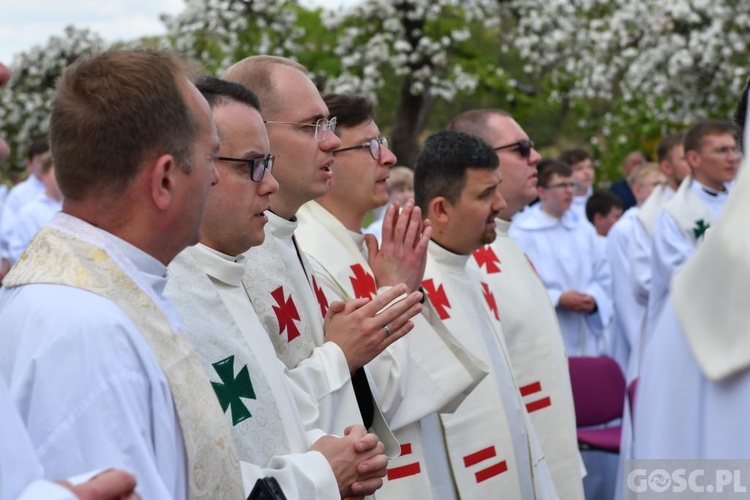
(694, 392)
(325, 351)
(490, 449)
(529, 323)
(712, 152)
(205, 284)
(92, 352)
(570, 260)
(427, 371)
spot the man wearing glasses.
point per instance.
(427, 372)
(570, 260)
(324, 348)
(205, 285)
(530, 327)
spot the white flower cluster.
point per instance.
(679, 59)
(26, 102)
(416, 39)
(218, 33)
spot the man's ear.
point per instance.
(438, 210)
(691, 157)
(162, 173)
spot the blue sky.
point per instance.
(26, 23)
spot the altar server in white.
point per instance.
(566, 253)
(325, 358)
(93, 353)
(489, 448)
(694, 392)
(583, 178)
(205, 284)
(712, 152)
(429, 370)
(532, 334)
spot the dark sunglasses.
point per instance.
(258, 166)
(524, 147)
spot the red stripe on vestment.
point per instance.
(491, 472)
(538, 405)
(404, 471)
(479, 456)
(530, 389)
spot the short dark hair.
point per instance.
(474, 122)
(441, 166)
(114, 110)
(602, 202)
(548, 167)
(572, 156)
(219, 92)
(667, 144)
(349, 110)
(39, 145)
(694, 137)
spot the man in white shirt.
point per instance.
(489, 446)
(530, 327)
(713, 155)
(36, 214)
(91, 350)
(583, 178)
(324, 357)
(426, 372)
(567, 254)
(20, 471)
(20, 196)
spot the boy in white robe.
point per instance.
(489, 447)
(426, 372)
(324, 357)
(712, 153)
(206, 287)
(569, 258)
(583, 178)
(692, 398)
(529, 322)
(92, 352)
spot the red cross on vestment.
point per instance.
(286, 314)
(487, 257)
(437, 297)
(363, 283)
(490, 298)
(321, 296)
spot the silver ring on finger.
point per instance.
(387, 331)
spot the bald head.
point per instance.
(476, 122)
(257, 73)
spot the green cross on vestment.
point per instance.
(700, 228)
(233, 388)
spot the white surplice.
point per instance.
(537, 354)
(567, 255)
(426, 372)
(20, 471)
(489, 439)
(21, 195)
(678, 229)
(86, 379)
(291, 307)
(206, 288)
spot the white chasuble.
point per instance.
(291, 307)
(537, 354)
(71, 252)
(425, 372)
(248, 378)
(491, 445)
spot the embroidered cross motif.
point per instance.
(481, 456)
(286, 313)
(437, 297)
(490, 298)
(363, 283)
(487, 257)
(407, 470)
(233, 388)
(700, 228)
(533, 388)
(321, 296)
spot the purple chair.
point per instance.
(599, 397)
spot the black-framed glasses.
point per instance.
(373, 145)
(524, 147)
(258, 166)
(322, 126)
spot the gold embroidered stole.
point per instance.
(58, 256)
